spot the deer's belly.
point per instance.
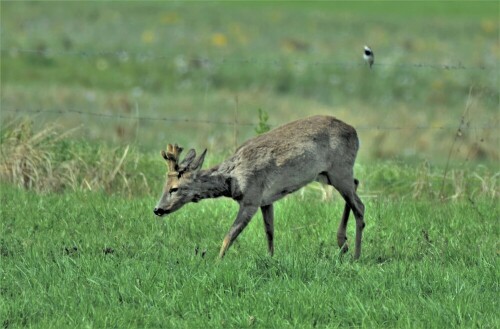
(278, 190)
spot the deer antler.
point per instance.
(172, 156)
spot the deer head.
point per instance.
(178, 188)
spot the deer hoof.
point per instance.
(344, 248)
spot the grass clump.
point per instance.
(263, 125)
(47, 160)
(27, 156)
(423, 181)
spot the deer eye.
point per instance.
(173, 190)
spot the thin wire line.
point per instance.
(125, 55)
(125, 117)
(494, 126)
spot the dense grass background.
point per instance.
(90, 91)
(86, 259)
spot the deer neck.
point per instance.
(212, 184)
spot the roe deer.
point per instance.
(265, 169)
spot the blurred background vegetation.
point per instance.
(207, 74)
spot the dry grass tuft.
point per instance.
(48, 161)
(27, 157)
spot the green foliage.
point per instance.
(263, 126)
(88, 259)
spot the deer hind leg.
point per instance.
(245, 214)
(358, 209)
(341, 232)
(347, 186)
(268, 216)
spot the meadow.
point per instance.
(93, 260)
(91, 91)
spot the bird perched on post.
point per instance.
(369, 56)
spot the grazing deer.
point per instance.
(265, 169)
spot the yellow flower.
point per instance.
(488, 26)
(219, 40)
(148, 36)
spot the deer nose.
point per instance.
(159, 212)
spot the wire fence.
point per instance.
(204, 62)
(141, 56)
(453, 127)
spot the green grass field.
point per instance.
(91, 91)
(91, 260)
(79, 249)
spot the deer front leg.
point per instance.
(341, 232)
(245, 214)
(268, 216)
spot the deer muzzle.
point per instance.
(160, 212)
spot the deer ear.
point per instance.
(198, 163)
(164, 155)
(185, 164)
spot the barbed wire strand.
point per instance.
(125, 55)
(491, 126)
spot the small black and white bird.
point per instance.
(369, 56)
